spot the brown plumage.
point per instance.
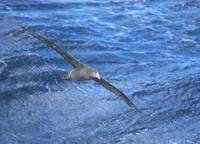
(80, 71)
(83, 72)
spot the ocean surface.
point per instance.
(150, 49)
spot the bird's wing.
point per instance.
(68, 57)
(75, 63)
(116, 91)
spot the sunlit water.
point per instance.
(149, 49)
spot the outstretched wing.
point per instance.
(116, 91)
(68, 57)
(75, 63)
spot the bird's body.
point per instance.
(84, 72)
(80, 71)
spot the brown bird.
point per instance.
(80, 71)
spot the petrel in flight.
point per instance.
(81, 71)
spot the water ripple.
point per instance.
(148, 49)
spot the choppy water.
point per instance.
(149, 49)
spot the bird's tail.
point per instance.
(66, 76)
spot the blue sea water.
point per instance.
(150, 49)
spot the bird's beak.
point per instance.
(98, 76)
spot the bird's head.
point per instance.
(96, 75)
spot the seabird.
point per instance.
(81, 71)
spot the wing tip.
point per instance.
(133, 106)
